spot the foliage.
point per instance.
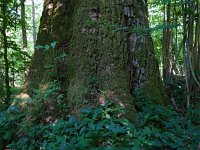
(104, 127)
(47, 46)
(9, 124)
(16, 55)
(46, 103)
(167, 128)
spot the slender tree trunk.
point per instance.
(106, 56)
(5, 46)
(24, 35)
(198, 38)
(190, 49)
(167, 41)
(12, 71)
(186, 66)
(33, 22)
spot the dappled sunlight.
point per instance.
(22, 96)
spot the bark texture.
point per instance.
(5, 47)
(24, 35)
(104, 58)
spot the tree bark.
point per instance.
(5, 47)
(33, 22)
(167, 42)
(105, 59)
(24, 35)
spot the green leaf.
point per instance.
(101, 124)
(91, 125)
(47, 47)
(137, 146)
(116, 128)
(120, 29)
(72, 119)
(39, 47)
(8, 135)
(2, 117)
(60, 139)
(12, 108)
(60, 96)
(97, 113)
(53, 44)
(86, 110)
(108, 116)
(63, 146)
(82, 130)
(49, 67)
(60, 57)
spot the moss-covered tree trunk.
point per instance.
(109, 56)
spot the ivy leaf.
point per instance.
(53, 44)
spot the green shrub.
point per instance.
(9, 124)
(166, 128)
(46, 103)
(102, 128)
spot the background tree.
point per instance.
(167, 41)
(10, 50)
(4, 10)
(24, 34)
(178, 56)
(15, 52)
(33, 22)
(191, 48)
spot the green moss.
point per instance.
(49, 32)
(94, 51)
(97, 54)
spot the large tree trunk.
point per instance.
(104, 58)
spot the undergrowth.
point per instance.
(102, 127)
